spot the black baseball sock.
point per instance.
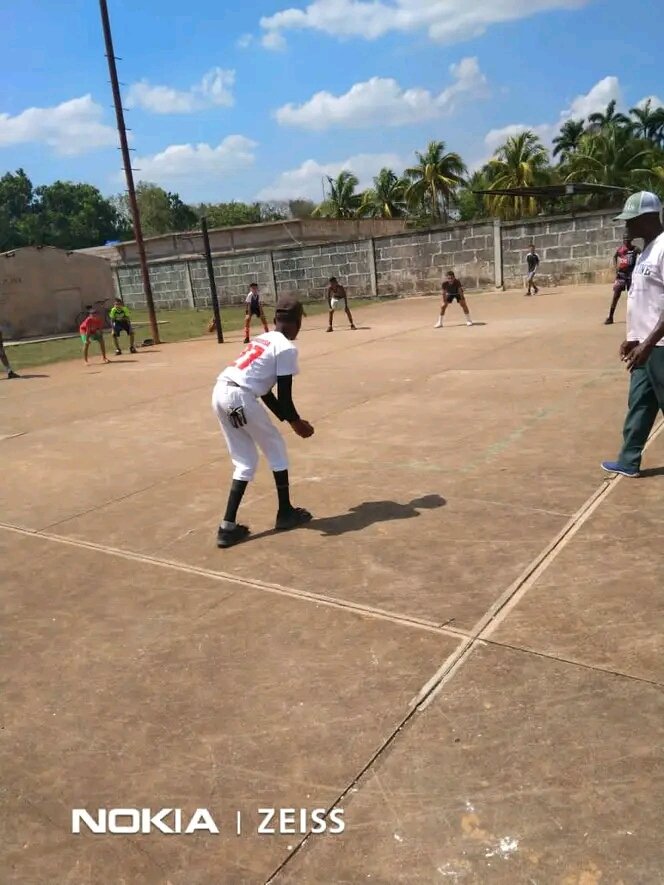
(238, 488)
(283, 490)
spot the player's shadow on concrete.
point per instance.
(371, 512)
(652, 471)
(26, 375)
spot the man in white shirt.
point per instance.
(643, 349)
(270, 359)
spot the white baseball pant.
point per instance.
(259, 431)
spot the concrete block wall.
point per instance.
(232, 276)
(169, 285)
(572, 249)
(305, 272)
(415, 263)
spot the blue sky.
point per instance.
(263, 99)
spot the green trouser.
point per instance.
(646, 397)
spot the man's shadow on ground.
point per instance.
(371, 512)
(652, 471)
(364, 515)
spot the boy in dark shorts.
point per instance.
(532, 261)
(624, 261)
(254, 308)
(121, 323)
(453, 291)
(92, 329)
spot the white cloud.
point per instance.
(604, 91)
(653, 99)
(72, 127)
(381, 101)
(443, 20)
(214, 89)
(274, 40)
(244, 41)
(189, 164)
(309, 179)
(600, 95)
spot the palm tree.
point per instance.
(648, 122)
(471, 205)
(386, 199)
(522, 161)
(341, 201)
(614, 157)
(434, 180)
(568, 140)
(605, 119)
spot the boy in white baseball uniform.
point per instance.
(270, 359)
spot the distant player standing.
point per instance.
(532, 261)
(270, 359)
(92, 329)
(121, 322)
(453, 291)
(337, 300)
(5, 361)
(624, 261)
(254, 308)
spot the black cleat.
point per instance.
(118, 352)
(12, 374)
(291, 519)
(230, 537)
(608, 321)
(246, 341)
(132, 350)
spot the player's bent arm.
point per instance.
(272, 403)
(285, 398)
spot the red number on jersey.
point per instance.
(249, 355)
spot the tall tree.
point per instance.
(230, 214)
(612, 157)
(341, 201)
(16, 196)
(301, 208)
(469, 204)
(71, 216)
(607, 118)
(522, 161)
(648, 122)
(434, 181)
(568, 139)
(386, 199)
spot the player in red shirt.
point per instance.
(92, 329)
(624, 261)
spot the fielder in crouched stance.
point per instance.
(269, 360)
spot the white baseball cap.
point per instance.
(640, 204)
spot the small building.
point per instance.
(43, 290)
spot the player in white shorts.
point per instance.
(269, 360)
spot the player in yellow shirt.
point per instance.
(121, 323)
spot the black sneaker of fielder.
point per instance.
(291, 519)
(230, 537)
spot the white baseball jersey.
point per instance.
(645, 300)
(262, 362)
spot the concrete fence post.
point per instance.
(116, 280)
(372, 267)
(188, 287)
(273, 277)
(498, 253)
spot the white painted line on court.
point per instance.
(278, 589)
(511, 597)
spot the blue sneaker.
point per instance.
(616, 467)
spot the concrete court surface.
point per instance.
(463, 651)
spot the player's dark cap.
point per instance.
(288, 310)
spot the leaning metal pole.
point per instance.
(126, 161)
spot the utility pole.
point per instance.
(212, 281)
(126, 161)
